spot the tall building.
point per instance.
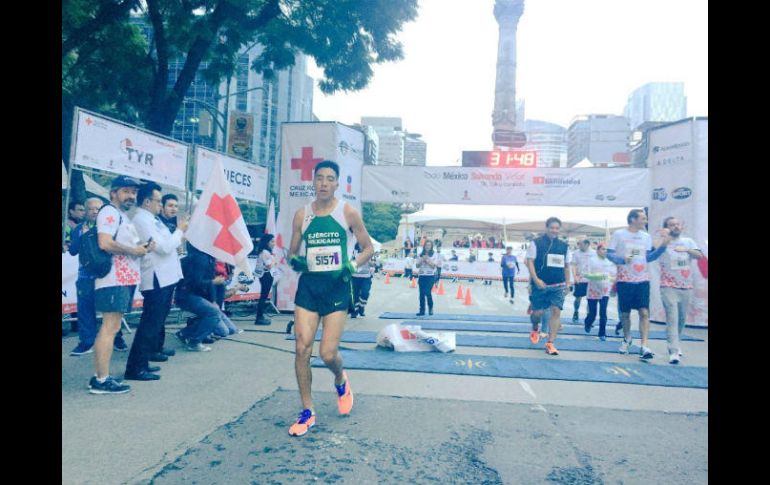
(549, 140)
(656, 102)
(601, 139)
(415, 150)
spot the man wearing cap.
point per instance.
(115, 291)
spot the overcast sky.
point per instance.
(574, 57)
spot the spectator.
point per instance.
(160, 272)
(408, 265)
(169, 212)
(454, 257)
(362, 284)
(115, 291)
(264, 272)
(86, 314)
(75, 213)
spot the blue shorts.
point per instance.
(114, 299)
(548, 297)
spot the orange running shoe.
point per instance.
(344, 395)
(550, 349)
(305, 422)
(534, 336)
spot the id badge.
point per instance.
(324, 258)
(555, 260)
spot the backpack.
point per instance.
(92, 258)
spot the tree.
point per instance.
(382, 220)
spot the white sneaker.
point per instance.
(680, 354)
(673, 358)
(646, 355)
(625, 346)
(543, 335)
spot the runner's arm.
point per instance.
(356, 224)
(612, 256)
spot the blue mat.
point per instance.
(475, 318)
(552, 368)
(514, 328)
(579, 345)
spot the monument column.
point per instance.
(504, 123)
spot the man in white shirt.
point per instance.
(631, 249)
(115, 291)
(580, 260)
(676, 283)
(161, 270)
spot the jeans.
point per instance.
(425, 282)
(87, 323)
(361, 287)
(589, 321)
(508, 281)
(265, 285)
(676, 302)
(157, 304)
(207, 312)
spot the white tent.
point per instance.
(575, 220)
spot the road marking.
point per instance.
(525, 385)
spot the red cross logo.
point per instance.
(110, 220)
(306, 163)
(88, 121)
(225, 211)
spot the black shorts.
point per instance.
(114, 299)
(581, 289)
(323, 295)
(633, 296)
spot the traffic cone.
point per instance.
(468, 300)
(434, 288)
(413, 284)
(441, 288)
(387, 279)
(459, 295)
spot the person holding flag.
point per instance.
(324, 233)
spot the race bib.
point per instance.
(555, 260)
(634, 250)
(324, 258)
(681, 261)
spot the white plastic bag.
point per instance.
(413, 339)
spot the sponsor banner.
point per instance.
(69, 291)
(303, 146)
(248, 181)
(678, 162)
(604, 187)
(127, 150)
(240, 136)
(462, 269)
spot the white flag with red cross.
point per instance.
(217, 227)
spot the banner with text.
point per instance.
(462, 269)
(248, 181)
(603, 187)
(127, 150)
(303, 146)
(678, 162)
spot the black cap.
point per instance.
(125, 181)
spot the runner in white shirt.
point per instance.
(600, 273)
(676, 283)
(631, 249)
(426, 265)
(580, 260)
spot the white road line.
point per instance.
(528, 389)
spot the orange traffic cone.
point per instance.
(387, 279)
(468, 300)
(441, 288)
(413, 284)
(459, 295)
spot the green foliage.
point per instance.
(381, 220)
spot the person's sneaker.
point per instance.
(430, 312)
(617, 328)
(263, 321)
(82, 349)
(511, 301)
(506, 295)
(158, 357)
(673, 358)
(240, 331)
(543, 334)
(305, 421)
(602, 338)
(575, 317)
(421, 314)
(344, 395)
(534, 336)
(680, 354)
(181, 337)
(168, 352)
(120, 344)
(588, 327)
(550, 349)
(208, 340)
(646, 355)
(625, 346)
(198, 347)
(353, 314)
(109, 386)
(361, 313)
